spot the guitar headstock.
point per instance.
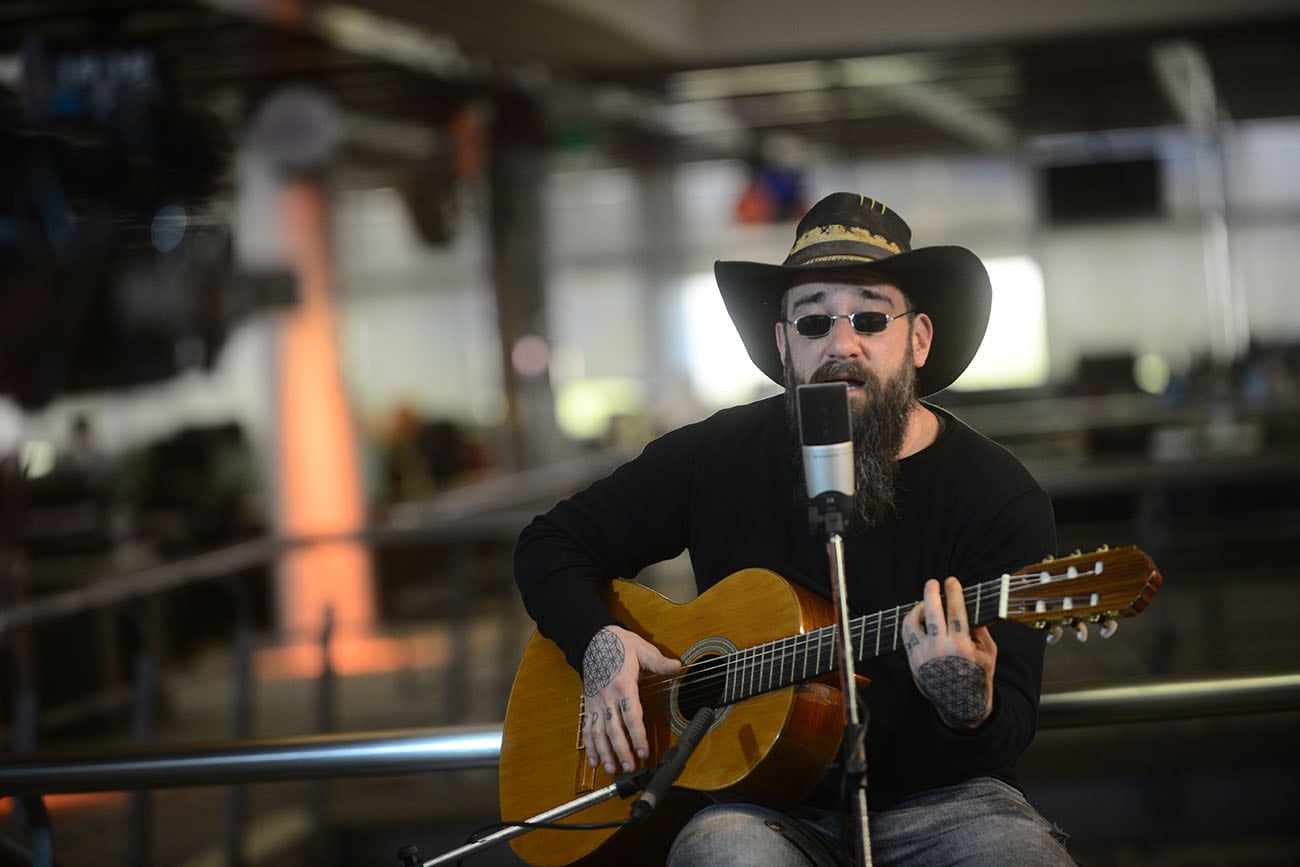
(1101, 587)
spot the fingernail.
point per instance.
(641, 754)
(609, 768)
(627, 766)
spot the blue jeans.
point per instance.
(980, 823)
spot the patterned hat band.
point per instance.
(849, 243)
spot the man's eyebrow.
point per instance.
(867, 293)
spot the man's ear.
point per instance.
(922, 335)
(780, 337)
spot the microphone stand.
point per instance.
(652, 783)
(622, 787)
(827, 515)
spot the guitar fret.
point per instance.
(804, 653)
(769, 665)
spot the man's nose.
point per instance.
(843, 340)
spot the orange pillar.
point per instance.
(319, 480)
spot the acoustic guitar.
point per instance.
(762, 652)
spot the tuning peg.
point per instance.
(1108, 627)
(1076, 553)
(1054, 634)
(1103, 548)
(1081, 631)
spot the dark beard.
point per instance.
(878, 428)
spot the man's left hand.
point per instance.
(951, 663)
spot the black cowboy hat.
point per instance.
(850, 234)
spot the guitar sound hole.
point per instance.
(700, 686)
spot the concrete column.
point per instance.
(517, 171)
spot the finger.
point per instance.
(934, 621)
(984, 643)
(634, 722)
(589, 736)
(913, 626)
(956, 605)
(617, 735)
(660, 664)
(598, 749)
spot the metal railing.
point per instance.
(388, 753)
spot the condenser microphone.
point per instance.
(826, 436)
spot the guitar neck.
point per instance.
(787, 661)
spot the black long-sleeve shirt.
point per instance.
(724, 489)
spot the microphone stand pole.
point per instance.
(620, 788)
(827, 516)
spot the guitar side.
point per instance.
(772, 745)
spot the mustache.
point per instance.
(833, 371)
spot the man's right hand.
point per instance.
(613, 730)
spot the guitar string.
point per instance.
(655, 685)
(770, 655)
(778, 652)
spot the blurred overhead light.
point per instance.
(361, 31)
(704, 84)
(366, 32)
(1184, 75)
(912, 85)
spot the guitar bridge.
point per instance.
(584, 774)
(582, 717)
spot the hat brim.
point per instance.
(948, 284)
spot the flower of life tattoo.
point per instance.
(602, 660)
(956, 686)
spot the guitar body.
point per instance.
(770, 747)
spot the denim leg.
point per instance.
(980, 823)
(743, 835)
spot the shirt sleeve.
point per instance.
(1023, 533)
(616, 527)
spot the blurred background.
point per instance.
(307, 307)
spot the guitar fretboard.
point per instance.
(787, 661)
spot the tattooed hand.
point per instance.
(951, 663)
(613, 728)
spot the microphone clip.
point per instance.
(828, 513)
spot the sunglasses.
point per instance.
(865, 322)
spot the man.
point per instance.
(852, 302)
